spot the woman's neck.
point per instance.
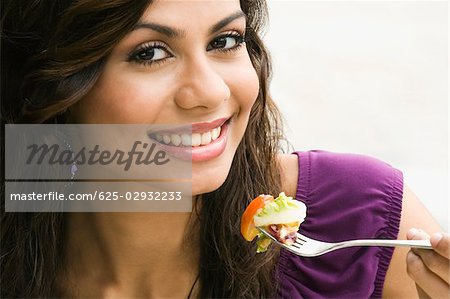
(132, 254)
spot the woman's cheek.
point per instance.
(124, 99)
(245, 87)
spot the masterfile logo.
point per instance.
(93, 168)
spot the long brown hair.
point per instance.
(52, 54)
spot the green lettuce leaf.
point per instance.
(263, 243)
(283, 209)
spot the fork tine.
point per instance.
(300, 241)
(266, 233)
(288, 247)
(297, 245)
(294, 248)
(303, 238)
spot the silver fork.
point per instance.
(308, 247)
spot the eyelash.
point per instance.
(240, 40)
(133, 56)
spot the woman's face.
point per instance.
(184, 63)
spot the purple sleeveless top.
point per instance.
(347, 196)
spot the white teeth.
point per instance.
(166, 139)
(196, 139)
(214, 134)
(186, 140)
(176, 139)
(206, 138)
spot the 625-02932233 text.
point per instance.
(99, 195)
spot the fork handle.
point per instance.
(424, 244)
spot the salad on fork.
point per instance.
(280, 217)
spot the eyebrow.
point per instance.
(172, 32)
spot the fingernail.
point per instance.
(412, 232)
(436, 238)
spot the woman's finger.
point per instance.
(417, 234)
(434, 260)
(428, 281)
(441, 244)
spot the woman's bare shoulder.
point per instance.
(289, 173)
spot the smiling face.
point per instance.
(184, 63)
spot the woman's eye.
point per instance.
(226, 42)
(149, 54)
(152, 54)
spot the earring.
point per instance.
(73, 168)
(29, 102)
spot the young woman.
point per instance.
(199, 63)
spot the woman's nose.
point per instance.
(201, 85)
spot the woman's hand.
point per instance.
(430, 269)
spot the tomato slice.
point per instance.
(248, 229)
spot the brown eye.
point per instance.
(226, 42)
(147, 54)
(151, 53)
(220, 42)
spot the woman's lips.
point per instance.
(200, 127)
(207, 141)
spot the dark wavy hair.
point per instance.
(52, 53)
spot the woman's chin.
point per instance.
(208, 176)
(206, 187)
(208, 182)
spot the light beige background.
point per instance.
(371, 78)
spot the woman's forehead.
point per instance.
(189, 12)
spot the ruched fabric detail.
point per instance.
(347, 196)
